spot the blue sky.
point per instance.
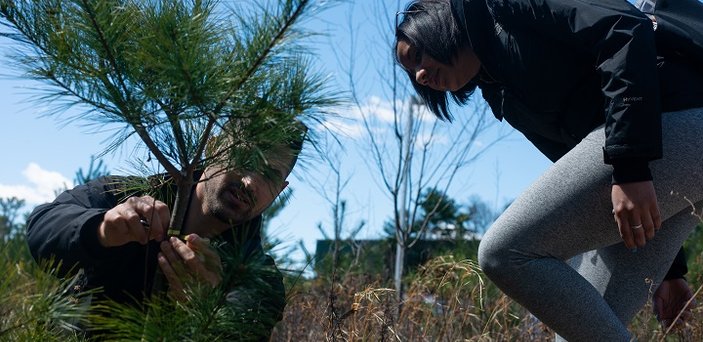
(41, 154)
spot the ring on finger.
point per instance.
(639, 226)
(145, 223)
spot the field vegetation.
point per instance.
(446, 299)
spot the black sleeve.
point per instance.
(256, 291)
(268, 283)
(277, 301)
(551, 149)
(65, 230)
(678, 268)
(621, 41)
(255, 297)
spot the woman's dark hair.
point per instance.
(428, 25)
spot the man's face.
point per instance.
(235, 196)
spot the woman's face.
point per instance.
(438, 76)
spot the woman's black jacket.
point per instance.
(556, 69)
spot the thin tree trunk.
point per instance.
(405, 225)
(399, 265)
(180, 206)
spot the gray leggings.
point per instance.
(567, 213)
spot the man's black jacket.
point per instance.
(66, 231)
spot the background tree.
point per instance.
(415, 152)
(328, 266)
(96, 169)
(480, 215)
(438, 213)
(445, 226)
(9, 212)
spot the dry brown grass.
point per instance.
(447, 300)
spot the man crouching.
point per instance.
(117, 238)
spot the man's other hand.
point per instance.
(191, 261)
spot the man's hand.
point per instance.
(670, 299)
(138, 219)
(636, 212)
(192, 261)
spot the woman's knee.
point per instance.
(494, 258)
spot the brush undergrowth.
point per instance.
(34, 305)
(447, 299)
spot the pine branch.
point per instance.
(106, 48)
(280, 34)
(170, 168)
(203, 142)
(122, 102)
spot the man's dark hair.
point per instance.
(295, 134)
(428, 25)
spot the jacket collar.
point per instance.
(479, 25)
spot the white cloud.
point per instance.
(346, 128)
(427, 138)
(379, 109)
(379, 113)
(40, 186)
(425, 115)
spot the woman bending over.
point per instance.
(622, 120)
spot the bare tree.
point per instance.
(340, 230)
(414, 151)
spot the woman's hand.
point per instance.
(636, 212)
(184, 263)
